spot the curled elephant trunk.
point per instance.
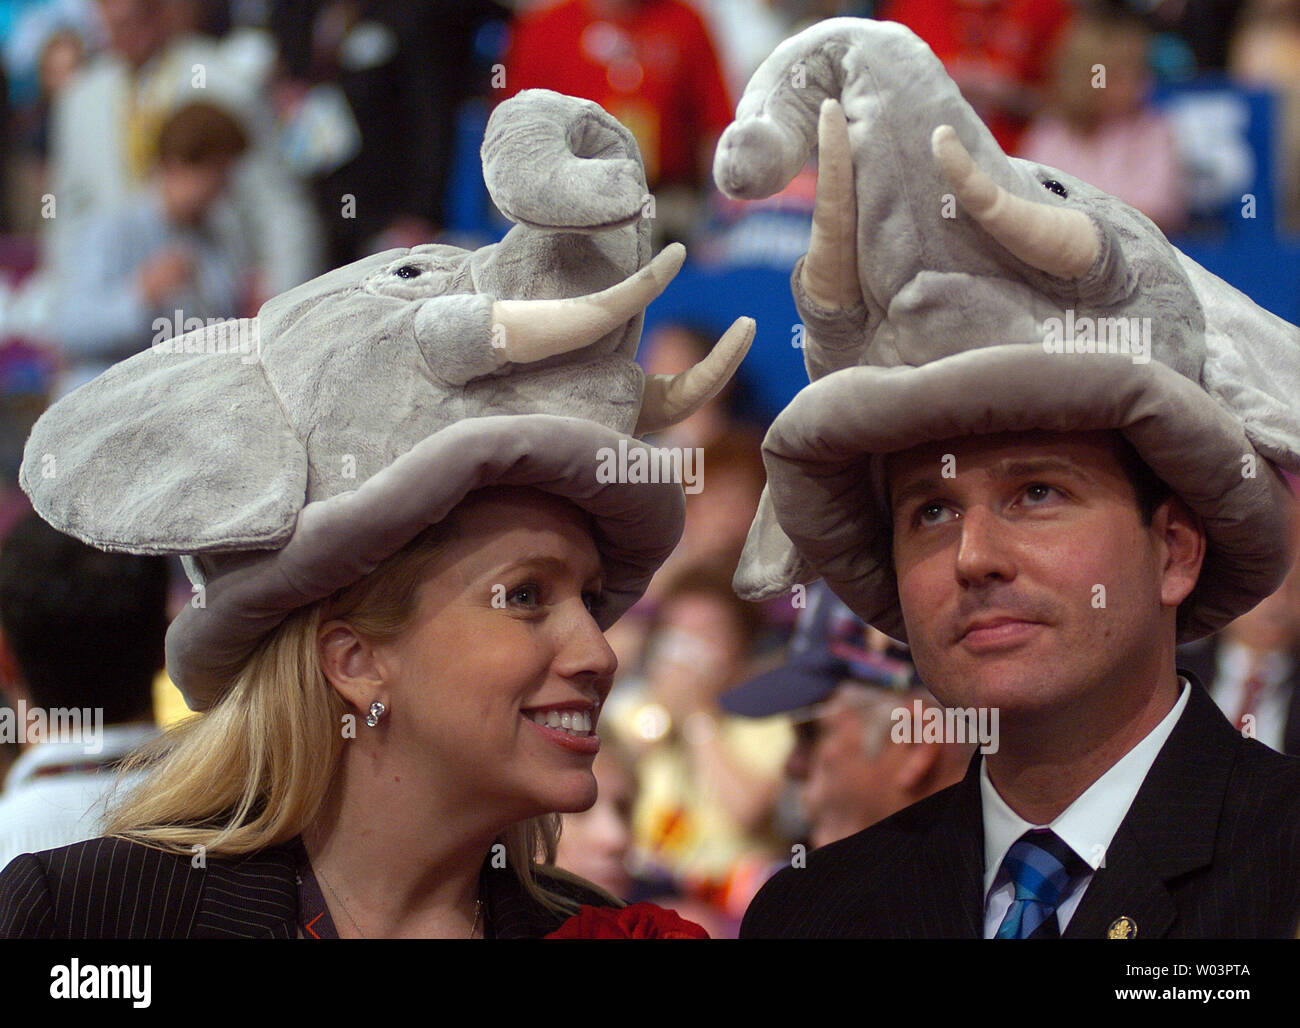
(669, 399)
(556, 162)
(532, 330)
(1060, 242)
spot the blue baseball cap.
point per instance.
(829, 645)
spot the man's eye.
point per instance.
(931, 514)
(594, 602)
(1038, 492)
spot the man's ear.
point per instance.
(1183, 536)
(351, 664)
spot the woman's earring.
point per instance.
(377, 711)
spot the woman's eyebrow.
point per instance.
(549, 564)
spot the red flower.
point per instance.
(639, 921)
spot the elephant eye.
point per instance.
(409, 271)
(1055, 187)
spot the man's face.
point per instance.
(135, 28)
(1027, 579)
(844, 764)
(190, 190)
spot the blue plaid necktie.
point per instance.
(1042, 868)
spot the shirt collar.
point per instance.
(1089, 823)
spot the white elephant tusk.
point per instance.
(532, 330)
(668, 399)
(830, 271)
(1060, 242)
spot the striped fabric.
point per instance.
(114, 889)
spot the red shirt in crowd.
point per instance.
(997, 51)
(650, 63)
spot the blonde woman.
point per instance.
(408, 519)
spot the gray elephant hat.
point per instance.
(950, 290)
(285, 457)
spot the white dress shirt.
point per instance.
(1087, 825)
(53, 797)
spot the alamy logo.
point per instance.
(102, 981)
(948, 725)
(651, 464)
(1131, 336)
(237, 336)
(33, 725)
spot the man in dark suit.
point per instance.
(1177, 826)
(1041, 447)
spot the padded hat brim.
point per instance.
(338, 541)
(827, 501)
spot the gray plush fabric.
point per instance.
(947, 338)
(375, 398)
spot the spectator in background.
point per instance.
(81, 629)
(596, 843)
(997, 51)
(166, 254)
(1098, 124)
(1265, 53)
(105, 133)
(396, 76)
(709, 781)
(842, 685)
(651, 64)
(1252, 667)
(61, 55)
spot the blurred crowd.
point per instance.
(166, 160)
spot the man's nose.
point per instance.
(984, 551)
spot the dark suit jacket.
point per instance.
(1210, 848)
(113, 889)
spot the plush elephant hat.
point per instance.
(950, 290)
(285, 457)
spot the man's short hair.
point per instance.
(85, 627)
(200, 133)
(1149, 488)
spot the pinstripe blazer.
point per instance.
(114, 889)
(1210, 848)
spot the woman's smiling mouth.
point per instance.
(570, 727)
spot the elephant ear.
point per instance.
(180, 449)
(769, 564)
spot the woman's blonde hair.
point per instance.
(255, 770)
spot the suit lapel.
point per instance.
(1168, 831)
(250, 897)
(955, 846)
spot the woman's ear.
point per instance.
(351, 664)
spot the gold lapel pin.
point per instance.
(1122, 928)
